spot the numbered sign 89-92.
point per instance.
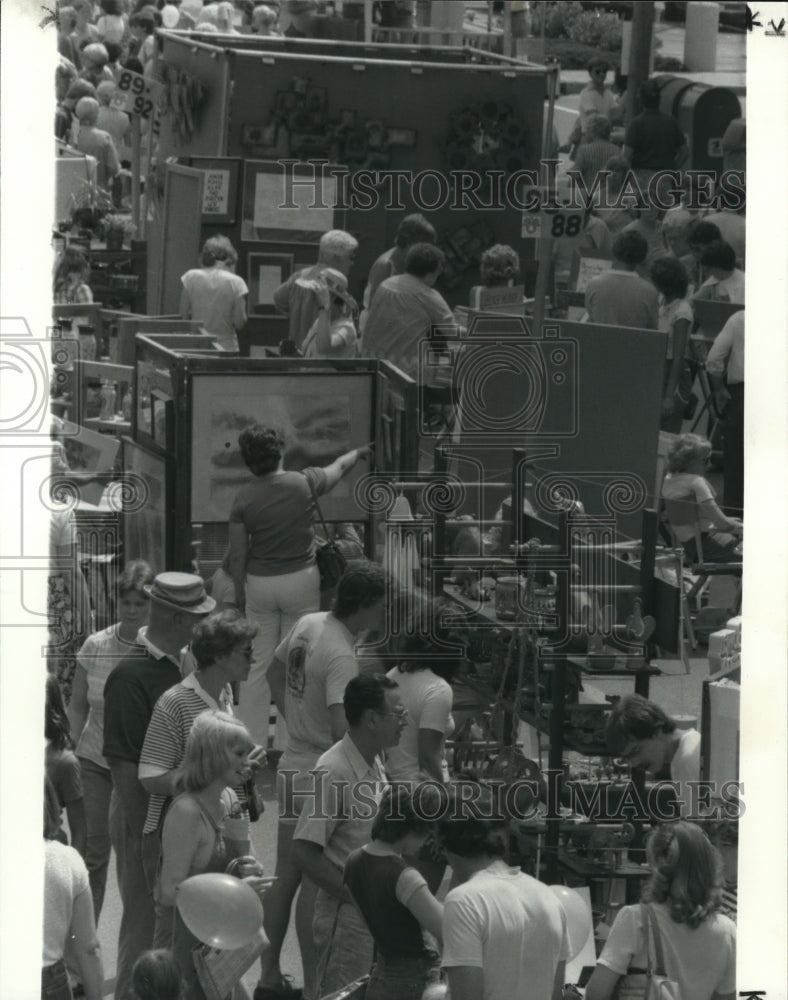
(136, 94)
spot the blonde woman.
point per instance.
(204, 829)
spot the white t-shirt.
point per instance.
(65, 878)
(702, 959)
(730, 289)
(319, 658)
(428, 700)
(685, 765)
(98, 657)
(213, 296)
(343, 328)
(511, 926)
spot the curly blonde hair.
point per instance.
(686, 450)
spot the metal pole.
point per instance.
(545, 241)
(135, 173)
(639, 51)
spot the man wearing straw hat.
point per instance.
(177, 602)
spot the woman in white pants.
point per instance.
(272, 554)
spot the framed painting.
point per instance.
(281, 205)
(265, 272)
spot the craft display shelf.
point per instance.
(549, 643)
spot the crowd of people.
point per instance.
(157, 727)
(164, 772)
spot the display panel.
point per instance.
(145, 507)
(322, 416)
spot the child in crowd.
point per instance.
(690, 504)
(156, 976)
(676, 319)
(70, 282)
(62, 766)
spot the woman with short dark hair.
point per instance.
(272, 553)
(393, 897)
(683, 896)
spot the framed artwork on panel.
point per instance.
(220, 189)
(265, 272)
(289, 204)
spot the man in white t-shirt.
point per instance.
(644, 736)
(504, 933)
(308, 676)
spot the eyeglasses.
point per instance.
(402, 713)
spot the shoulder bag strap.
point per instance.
(307, 342)
(660, 969)
(645, 921)
(317, 508)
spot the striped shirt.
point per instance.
(592, 157)
(165, 740)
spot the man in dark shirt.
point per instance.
(653, 140)
(177, 602)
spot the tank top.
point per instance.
(220, 856)
(372, 881)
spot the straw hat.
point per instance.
(336, 282)
(183, 591)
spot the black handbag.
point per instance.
(331, 563)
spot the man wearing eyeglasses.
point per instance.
(338, 820)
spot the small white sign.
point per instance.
(216, 192)
(136, 94)
(558, 224)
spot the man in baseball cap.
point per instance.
(177, 602)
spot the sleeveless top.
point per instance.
(220, 856)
